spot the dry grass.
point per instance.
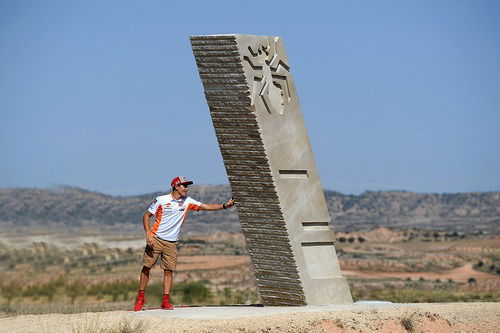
(98, 325)
(408, 322)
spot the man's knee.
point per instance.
(146, 270)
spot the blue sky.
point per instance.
(105, 95)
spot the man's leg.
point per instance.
(167, 281)
(141, 299)
(148, 259)
(168, 262)
(168, 276)
(144, 278)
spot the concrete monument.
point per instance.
(271, 169)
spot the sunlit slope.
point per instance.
(69, 206)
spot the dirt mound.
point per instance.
(384, 234)
(445, 317)
(377, 235)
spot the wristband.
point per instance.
(224, 205)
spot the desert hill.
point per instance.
(75, 207)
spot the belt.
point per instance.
(165, 240)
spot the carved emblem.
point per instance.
(270, 82)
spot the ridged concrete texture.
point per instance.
(271, 169)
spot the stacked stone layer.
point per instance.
(228, 96)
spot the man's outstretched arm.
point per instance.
(228, 204)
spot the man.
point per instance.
(161, 240)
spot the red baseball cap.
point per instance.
(180, 180)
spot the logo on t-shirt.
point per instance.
(153, 204)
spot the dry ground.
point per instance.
(443, 318)
(424, 268)
(461, 274)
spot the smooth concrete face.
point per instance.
(271, 169)
(235, 312)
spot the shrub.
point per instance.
(74, 290)
(154, 291)
(194, 291)
(116, 289)
(10, 291)
(49, 289)
(228, 295)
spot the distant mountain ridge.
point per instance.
(70, 206)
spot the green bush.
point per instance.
(154, 291)
(10, 291)
(74, 290)
(194, 291)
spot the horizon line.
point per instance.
(167, 190)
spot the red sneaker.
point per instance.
(165, 304)
(139, 303)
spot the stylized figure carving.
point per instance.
(271, 169)
(270, 82)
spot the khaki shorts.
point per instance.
(167, 250)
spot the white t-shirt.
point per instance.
(170, 215)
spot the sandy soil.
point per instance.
(185, 263)
(461, 274)
(443, 318)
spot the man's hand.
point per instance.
(149, 239)
(229, 203)
(147, 228)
